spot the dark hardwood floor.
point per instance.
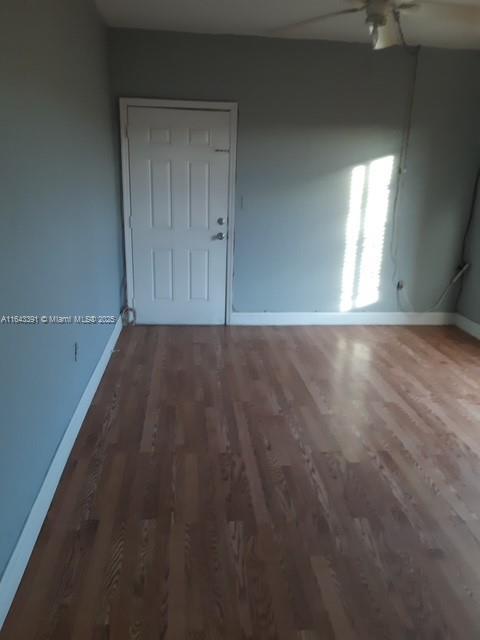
(293, 483)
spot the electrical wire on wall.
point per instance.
(463, 266)
(402, 169)
(459, 274)
(471, 216)
(402, 161)
(396, 17)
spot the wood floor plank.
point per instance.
(273, 482)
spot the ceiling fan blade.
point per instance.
(387, 35)
(467, 13)
(407, 6)
(311, 21)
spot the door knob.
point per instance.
(219, 236)
(221, 221)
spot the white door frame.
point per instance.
(232, 108)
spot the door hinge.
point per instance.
(130, 222)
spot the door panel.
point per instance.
(162, 274)
(160, 194)
(179, 174)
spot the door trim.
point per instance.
(230, 107)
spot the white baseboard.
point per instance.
(19, 559)
(354, 318)
(467, 325)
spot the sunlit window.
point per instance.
(365, 233)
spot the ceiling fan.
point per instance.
(382, 19)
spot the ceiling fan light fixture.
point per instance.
(384, 32)
(382, 19)
(373, 30)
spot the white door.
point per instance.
(179, 177)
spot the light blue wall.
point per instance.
(469, 303)
(443, 160)
(60, 239)
(308, 113)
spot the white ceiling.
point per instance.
(448, 23)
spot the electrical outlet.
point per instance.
(75, 351)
